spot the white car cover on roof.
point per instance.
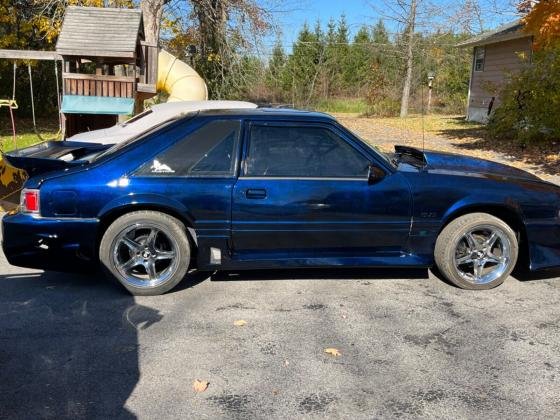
(153, 116)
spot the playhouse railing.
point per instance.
(98, 85)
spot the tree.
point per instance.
(224, 29)
(331, 59)
(275, 74)
(152, 12)
(409, 35)
(379, 33)
(405, 14)
(303, 65)
(543, 21)
(360, 59)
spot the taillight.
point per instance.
(30, 201)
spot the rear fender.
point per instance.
(147, 201)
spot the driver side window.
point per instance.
(302, 152)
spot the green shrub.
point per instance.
(530, 107)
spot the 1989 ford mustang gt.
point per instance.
(261, 188)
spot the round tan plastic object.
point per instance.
(179, 80)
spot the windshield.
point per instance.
(118, 146)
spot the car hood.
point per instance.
(460, 165)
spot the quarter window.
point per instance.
(302, 152)
(479, 54)
(209, 151)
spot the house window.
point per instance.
(479, 53)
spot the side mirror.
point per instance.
(375, 174)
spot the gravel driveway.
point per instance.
(76, 346)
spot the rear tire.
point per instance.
(476, 251)
(148, 252)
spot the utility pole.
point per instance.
(411, 21)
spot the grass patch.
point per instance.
(25, 135)
(342, 105)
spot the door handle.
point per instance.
(255, 193)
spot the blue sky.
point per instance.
(358, 12)
(295, 13)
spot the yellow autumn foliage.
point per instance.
(543, 21)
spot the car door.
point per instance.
(303, 190)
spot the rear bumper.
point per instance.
(49, 243)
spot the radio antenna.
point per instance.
(423, 126)
(422, 106)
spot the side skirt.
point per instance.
(214, 258)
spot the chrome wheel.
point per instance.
(483, 254)
(145, 255)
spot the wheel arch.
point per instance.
(107, 217)
(509, 214)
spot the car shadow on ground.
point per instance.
(526, 275)
(69, 342)
(323, 274)
(519, 273)
(69, 345)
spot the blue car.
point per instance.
(270, 188)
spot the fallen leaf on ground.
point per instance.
(332, 351)
(200, 386)
(239, 323)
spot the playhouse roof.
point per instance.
(100, 32)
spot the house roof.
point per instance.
(512, 30)
(100, 32)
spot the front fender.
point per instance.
(480, 203)
(429, 220)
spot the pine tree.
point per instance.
(303, 65)
(276, 73)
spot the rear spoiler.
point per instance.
(52, 155)
(411, 152)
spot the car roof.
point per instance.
(191, 106)
(153, 116)
(264, 113)
(160, 113)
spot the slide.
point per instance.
(179, 80)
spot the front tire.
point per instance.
(476, 251)
(148, 252)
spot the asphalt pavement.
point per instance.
(77, 346)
